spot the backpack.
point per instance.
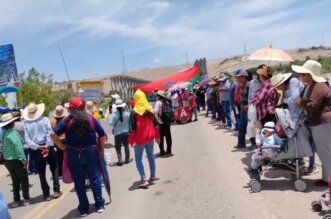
(168, 115)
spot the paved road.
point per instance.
(205, 179)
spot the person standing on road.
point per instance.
(164, 119)
(315, 102)
(83, 133)
(224, 89)
(120, 121)
(14, 159)
(37, 136)
(193, 106)
(242, 78)
(143, 131)
(59, 114)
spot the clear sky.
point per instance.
(92, 33)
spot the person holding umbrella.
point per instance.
(83, 133)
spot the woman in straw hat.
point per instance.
(59, 113)
(82, 132)
(37, 136)
(315, 101)
(143, 132)
(14, 159)
(120, 121)
(292, 87)
(265, 99)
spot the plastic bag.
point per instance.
(252, 119)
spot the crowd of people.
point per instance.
(233, 97)
(75, 138)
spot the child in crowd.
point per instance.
(269, 144)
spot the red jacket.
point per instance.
(237, 94)
(142, 129)
(193, 102)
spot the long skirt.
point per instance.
(322, 139)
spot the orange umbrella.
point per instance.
(270, 54)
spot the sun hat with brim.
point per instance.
(224, 77)
(33, 111)
(262, 71)
(310, 67)
(269, 126)
(119, 103)
(60, 112)
(7, 119)
(162, 94)
(115, 96)
(278, 79)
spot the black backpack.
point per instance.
(168, 114)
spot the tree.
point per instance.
(37, 87)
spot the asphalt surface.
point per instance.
(204, 179)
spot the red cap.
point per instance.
(77, 103)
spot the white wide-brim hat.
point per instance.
(7, 119)
(60, 111)
(278, 79)
(310, 67)
(119, 103)
(33, 111)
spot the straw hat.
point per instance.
(60, 111)
(33, 111)
(7, 119)
(162, 94)
(119, 103)
(263, 71)
(311, 67)
(278, 79)
(223, 77)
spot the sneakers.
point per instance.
(57, 195)
(311, 170)
(153, 179)
(100, 210)
(227, 127)
(16, 204)
(83, 214)
(26, 202)
(143, 183)
(47, 198)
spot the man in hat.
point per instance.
(243, 83)
(224, 89)
(37, 136)
(162, 111)
(112, 108)
(59, 114)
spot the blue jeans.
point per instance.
(81, 164)
(139, 151)
(227, 112)
(242, 129)
(236, 111)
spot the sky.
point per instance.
(93, 34)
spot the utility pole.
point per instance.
(66, 69)
(187, 60)
(124, 69)
(245, 50)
